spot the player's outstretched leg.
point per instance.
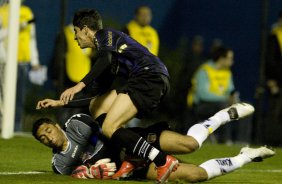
(220, 166)
(202, 130)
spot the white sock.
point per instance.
(199, 133)
(220, 166)
(153, 153)
(220, 118)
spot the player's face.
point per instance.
(81, 37)
(51, 135)
(144, 16)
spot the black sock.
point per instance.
(137, 145)
(100, 119)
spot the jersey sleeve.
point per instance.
(82, 126)
(101, 84)
(79, 102)
(59, 167)
(101, 64)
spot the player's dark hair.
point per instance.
(88, 17)
(136, 12)
(38, 123)
(220, 52)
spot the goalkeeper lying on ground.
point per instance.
(79, 147)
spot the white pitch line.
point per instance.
(262, 170)
(21, 173)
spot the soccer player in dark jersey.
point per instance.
(146, 86)
(79, 145)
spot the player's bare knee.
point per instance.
(190, 148)
(190, 145)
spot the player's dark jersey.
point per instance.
(83, 145)
(127, 57)
(132, 58)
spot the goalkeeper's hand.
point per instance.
(103, 169)
(81, 172)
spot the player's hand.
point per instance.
(68, 94)
(103, 169)
(81, 172)
(49, 103)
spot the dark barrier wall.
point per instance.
(236, 23)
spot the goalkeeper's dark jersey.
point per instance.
(83, 145)
(119, 54)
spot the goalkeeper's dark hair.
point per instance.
(220, 52)
(38, 123)
(88, 17)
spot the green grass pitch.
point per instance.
(24, 154)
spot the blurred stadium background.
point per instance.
(241, 25)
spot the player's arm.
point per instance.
(79, 103)
(75, 103)
(62, 166)
(49, 103)
(102, 63)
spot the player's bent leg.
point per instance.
(202, 130)
(235, 112)
(187, 172)
(121, 111)
(102, 104)
(176, 143)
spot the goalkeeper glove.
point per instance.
(81, 172)
(103, 169)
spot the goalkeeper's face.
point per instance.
(51, 135)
